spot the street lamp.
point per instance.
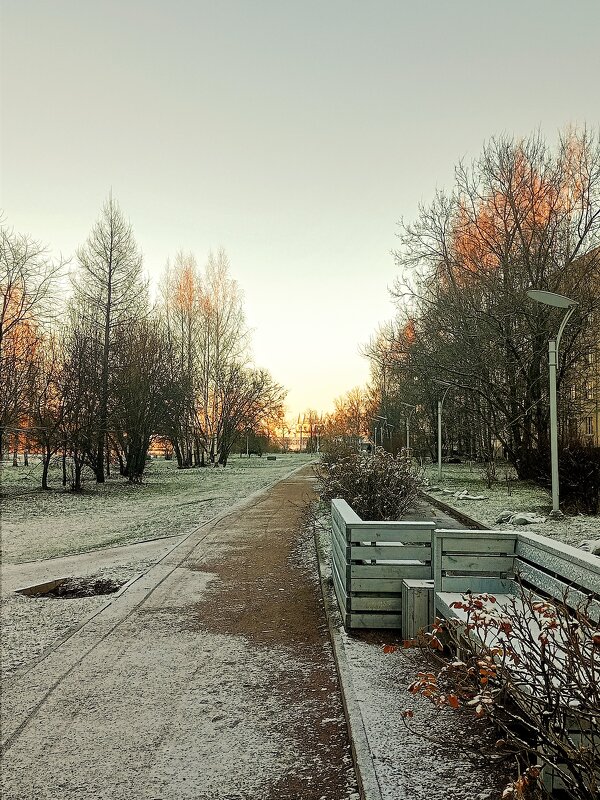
(439, 425)
(556, 301)
(383, 419)
(408, 416)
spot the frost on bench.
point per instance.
(528, 609)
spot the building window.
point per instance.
(573, 393)
(589, 426)
(590, 356)
(589, 390)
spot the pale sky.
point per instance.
(294, 133)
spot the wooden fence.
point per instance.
(370, 561)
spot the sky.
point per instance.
(293, 133)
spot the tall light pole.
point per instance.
(408, 416)
(439, 426)
(382, 419)
(556, 301)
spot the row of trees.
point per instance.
(520, 216)
(97, 376)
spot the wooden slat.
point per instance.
(475, 584)
(389, 553)
(556, 588)
(378, 585)
(552, 560)
(356, 621)
(341, 595)
(342, 547)
(407, 536)
(392, 525)
(395, 571)
(337, 531)
(482, 545)
(376, 603)
(478, 563)
(341, 567)
(565, 551)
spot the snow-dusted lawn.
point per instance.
(514, 496)
(39, 525)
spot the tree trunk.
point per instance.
(46, 464)
(77, 465)
(107, 457)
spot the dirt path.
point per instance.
(210, 678)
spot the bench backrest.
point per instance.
(474, 561)
(556, 570)
(492, 561)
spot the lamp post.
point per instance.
(556, 301)
(382, 419)
(439, 426)
(408, 416)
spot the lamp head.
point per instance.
(551, 299)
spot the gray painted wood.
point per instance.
(376, 603)
(475, 584)
(388, 552)
(417, 606)
(394, 571)
(356, 621)
(478, 563)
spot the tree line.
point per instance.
(522, 215)
(95, 377)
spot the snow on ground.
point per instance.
(40, 525)
(515, 496)
(460, 764)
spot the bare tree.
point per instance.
(109, 294)
(138, 381)
(248, 400)
(224, 343)
(520, 216)
(47, 401)
(27, 281)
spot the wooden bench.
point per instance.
(370, 561)
(498, 563)
(492, 561)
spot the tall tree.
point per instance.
(521, 216)
(109, 294)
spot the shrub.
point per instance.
(532, 667)
(579, 473)
(334, 450)
(378, 486)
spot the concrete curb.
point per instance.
(361, 752)
(453, 512)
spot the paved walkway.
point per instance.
(211, 677)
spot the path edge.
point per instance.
(361, 752)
